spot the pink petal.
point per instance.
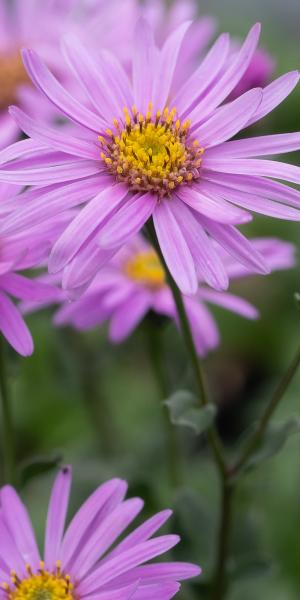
(228, 120)
(128, 220)
(56, 517)
(13, 327)
(89, 219)
(175, 248)
(19, 525)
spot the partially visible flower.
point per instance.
(144, 149)
(86, 561)
(258, 74)
(134, 283)
(18, 254)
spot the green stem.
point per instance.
(7, 422)
(267, 414)
(155, 346)
(213, 437)
(220, 580)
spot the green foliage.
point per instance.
(184, 411)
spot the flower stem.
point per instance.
(220, 581)
(155, 347)
(212, 434)
(267, 414)
(7, 422)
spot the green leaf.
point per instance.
(273, 441)
(184, 411)
(39, 465)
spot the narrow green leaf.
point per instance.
(184, 411)
(274, 440)
(39, 465)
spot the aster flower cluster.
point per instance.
(125, 173)
(148, 138)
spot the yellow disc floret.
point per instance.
(40, 586)
(152, 153)
(145, 268)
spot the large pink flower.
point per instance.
(144, 149)
(86, 560)
(134, 283)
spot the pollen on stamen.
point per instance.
(151, 152)
(40, 585)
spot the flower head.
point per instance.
(134, 283)
(145, 149)
(79, 562)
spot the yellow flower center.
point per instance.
(145, 268)
(152, 153)
(12, 75)
(40, 586)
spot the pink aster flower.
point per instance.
(134, 283)
(145, 150)
(79, 561)
(32, 23)
(19, 253)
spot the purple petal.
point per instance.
(88, 220)
(252, 166)
(127, 221)
(56, 517)
(127, 560)
(49, 203)
(13, 327)
(53, 138)
(165, 68)
(144, 65)
(126, 318)
(228, 120)
(258, 146)
(203, 77)
(227, 82)
(230, 302)
(175, 248)
(275, 93)
(105, 535)
(207, 261)
(236, 245)
(208, 202)
(19, 525)
(48, 84)
(98, 505)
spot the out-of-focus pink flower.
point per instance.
(86, 560)
(134, 283)
(17, 254)
(144, 149)
(258, 74)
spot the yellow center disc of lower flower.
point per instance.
(12, 74)
(152, 153)
(41, 586)
(145, 268)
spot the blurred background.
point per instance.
(83, 401)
